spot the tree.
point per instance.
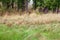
(51, 5)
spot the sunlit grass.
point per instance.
(30, 32)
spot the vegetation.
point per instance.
(45, 5)
(33, 26)
(30, 32)
(41, 27)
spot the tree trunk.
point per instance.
(26, 5)
(12, 4)
(34, 3)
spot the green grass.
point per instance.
(30, 32)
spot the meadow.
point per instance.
(49, 31)
(29, 19)
(30, 27)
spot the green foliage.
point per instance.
(50, 4)
(30, 32)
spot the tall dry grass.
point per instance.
(33, 18)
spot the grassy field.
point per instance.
(49, 31)
(30, 27)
